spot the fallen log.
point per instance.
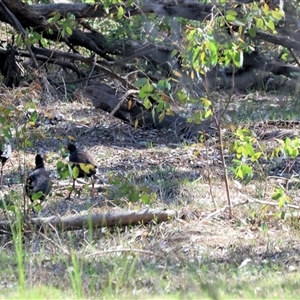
(121, 218)
(106, 98)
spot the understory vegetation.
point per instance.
(190, 110)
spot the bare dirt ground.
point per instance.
(175, 174)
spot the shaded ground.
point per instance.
(197, 254)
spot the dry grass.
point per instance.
(198, 256)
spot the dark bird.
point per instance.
(87, 167)
(38, 180)
(5, 154)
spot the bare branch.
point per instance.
(123, 218)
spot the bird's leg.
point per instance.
(92, 193)
(73, 188)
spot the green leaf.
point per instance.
(120, 12)
(34, 116)
(59, 165)
(163, 85)
(277, 14)
(252, 32)
(264, 226)
(160, 107)
(37, 36)
(246, 169)
(19, 40)
(206, 102)
(146, 90)
(141, 82)
(259, 23)
(87, 168)
(44, 42)
(147, 103)
(134, 196)
(75, 172)
(145, 199)
(161, 117)
(69, 30)
(271, 25)
(208, 113)
(37, 196)
(256, 156)
(277, 194)
(174, 52)
(213, 46)
(239, 173)
(38, 207)
(281, 202)
(250, 149)
(55, 18)
(231, 15)
(230, 18)
(238, 58)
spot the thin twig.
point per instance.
(215, 213)
(124, 97)
(294, 56)
(273, 203)
(209, 179)
(92, 70)
(122, 250)
(56, 245)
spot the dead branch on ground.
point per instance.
(122, 218)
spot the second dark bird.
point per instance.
(87, 167)
(38, 180)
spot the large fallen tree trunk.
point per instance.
(106, 98)
(122, 218)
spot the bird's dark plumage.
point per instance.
(5, 154)
(38, 180)
(78, 157)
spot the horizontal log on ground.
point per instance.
(121, 218)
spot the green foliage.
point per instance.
(14, 127)
(256, 17)
(243, 147)
(6, 124)
(131, 191)
(75, 276)
(288, 148)
(11, 202)
(246, 155)
(242, 170)
(205, 111)
(152, 95)
(281, 196)
(87, 168)
(75, 172)
(63, 169)
(67, 25)
(17, 229)
(244, 151)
